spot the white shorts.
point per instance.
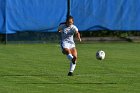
(67, 45)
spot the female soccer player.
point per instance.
(67, 31)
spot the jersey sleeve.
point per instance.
(75, 29)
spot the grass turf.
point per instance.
(41, 68)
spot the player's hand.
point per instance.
(80, 39)
(59, 30)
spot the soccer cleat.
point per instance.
(70, 74)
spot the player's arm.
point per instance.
(59, 29)
(78, 36)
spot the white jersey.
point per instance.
(67, 34)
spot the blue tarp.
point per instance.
(106, 14)
(90, 15)
(2, 16)
(34, 15)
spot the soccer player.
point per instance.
(67, 30)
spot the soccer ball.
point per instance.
(100, 55)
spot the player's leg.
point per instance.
(71, 54)
(66, 50)
(74, 54)
(73, 61)
(68, 53)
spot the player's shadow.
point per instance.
(56, 83)
(20, 75)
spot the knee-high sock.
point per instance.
(72, 67)
(70, 57)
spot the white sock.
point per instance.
(70, 57)
(72, 67)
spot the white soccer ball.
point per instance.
(100, 55)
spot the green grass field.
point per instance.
(41, 68)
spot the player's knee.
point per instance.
(70, 57)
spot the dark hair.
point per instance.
(69, 17)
